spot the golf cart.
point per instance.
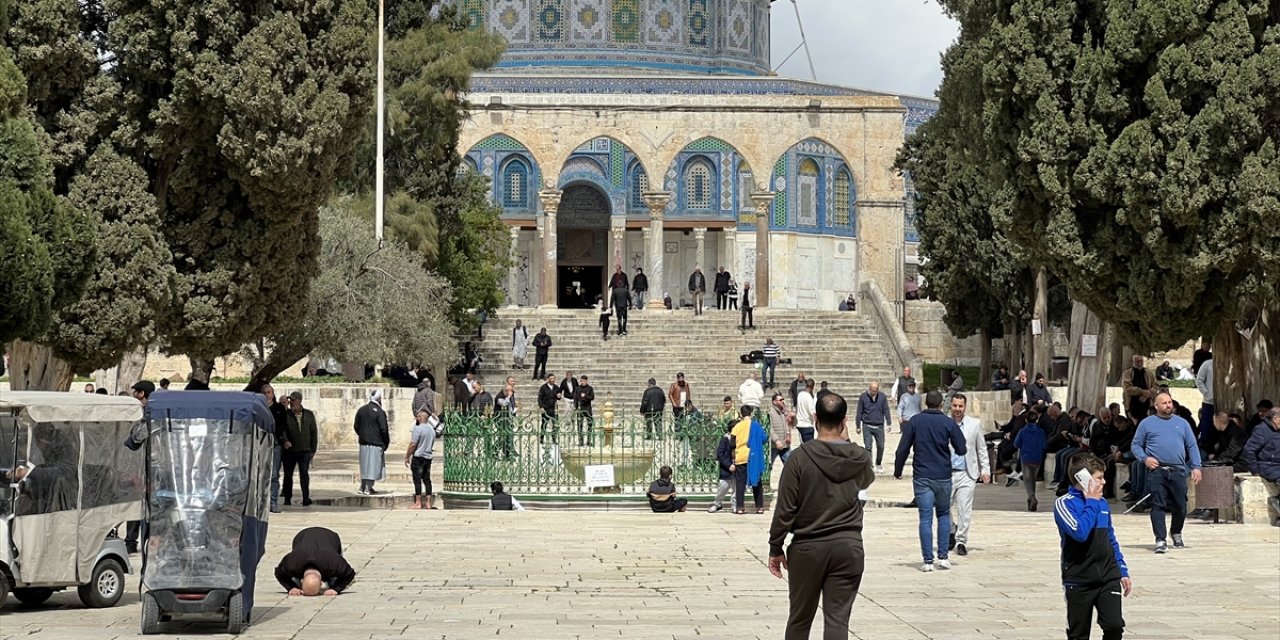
(65, 485)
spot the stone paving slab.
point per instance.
(462, 575)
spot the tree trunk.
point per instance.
(1040, 342)
(33, 367)
(1120, 359)
(272, 366)
(1087, 376)
(983, 383)
(1244, 369)
(201, 370)
(1013, 347)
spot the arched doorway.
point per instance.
(582, 233)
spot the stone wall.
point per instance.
(993, 406)
(335, 408)
(932, 340)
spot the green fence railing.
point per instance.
(533, 456)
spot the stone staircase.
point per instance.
(842, 348)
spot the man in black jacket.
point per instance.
(303, 435)
(280, 414)
(697, 289)
(548, 395)
(1228, 447)
(748, 318)
(652, 405)
(640, 287)
(316, 559)
(722, 289)
(582, 400)
(374, 436)
(620, 296)
(541, 348)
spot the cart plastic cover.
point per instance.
(54, 406)
(209, 468)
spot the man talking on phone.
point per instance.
(1167, 447)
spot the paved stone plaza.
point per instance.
(558, 575)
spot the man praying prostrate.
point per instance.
(316, 560)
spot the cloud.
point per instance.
(882, 45)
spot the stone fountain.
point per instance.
(630, 463)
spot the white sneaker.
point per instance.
(944, 563)
(1015, 476)
(927, 567)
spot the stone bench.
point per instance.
(1251, 494)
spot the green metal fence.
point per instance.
(531, 455)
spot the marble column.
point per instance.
(513, 271)
(655, 247)
(619, 245)
(764, 209)
(550, 260)
(700, 254)
(729, 254)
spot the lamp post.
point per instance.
(378, 177)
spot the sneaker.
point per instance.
(1015, 476)
(927, 567)
(1177, 541)
(1161, 547)
(714, 508)
(944, 563)
(306, 502)
(275, 508)
(961, 550)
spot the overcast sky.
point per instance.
(884, 45)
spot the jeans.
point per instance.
(639, 298)
(806, 434)
(874, 433)
(779, 453)
(697, 302)
(275, 477)
(1206, 421)
(586, 428)
(1168, 488)
(1137, 479)
(1029, 473)
(767, 373)
(933, 497)
(1060, 462)
(722, 490)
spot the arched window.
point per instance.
(843, 198)
(807, 193)
(639, 185)
(697, 185)
(515, 185)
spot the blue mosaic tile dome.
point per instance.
(612, 36)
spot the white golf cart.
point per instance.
(66, 483)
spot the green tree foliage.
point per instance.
(1132, 148)
(45, 243)
(431, 206)
(366, 305)
(134, 273)
(971, 267)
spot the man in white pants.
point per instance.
(965, 471)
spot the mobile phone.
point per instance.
(1083, 478)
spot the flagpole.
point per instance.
(378, 171)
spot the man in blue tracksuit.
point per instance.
(1167, 448)
(1094, 575)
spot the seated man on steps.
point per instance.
(662, 494)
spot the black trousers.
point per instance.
(722, 299)
(652, 424)
(1082, 599)
(421, 470)
(740, 488)
(604, 326)
(828, 568)
(301, 461)
(747, 318)
(586, 428)
(539, 366)
(621, 313)
(549, 420)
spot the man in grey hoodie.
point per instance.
(818, 505)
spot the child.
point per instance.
(662, 494)
(501, 500)
(724, 455)
(1030, 444)
(1093, 570)
(908, 405)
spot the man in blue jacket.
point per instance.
(933, 435)
(1094, 575)
(1167, 447)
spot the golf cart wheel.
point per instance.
(150, 615)
(32, 596)
(105, 587)
(235, 613)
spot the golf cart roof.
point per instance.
(212, 405)
(64, 406)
